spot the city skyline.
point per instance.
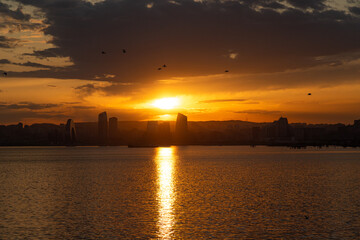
(111, 132)
(212, 60)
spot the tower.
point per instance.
(152, 132)
(102, 129)
(113, 128)
(181, 130)
(70, 132)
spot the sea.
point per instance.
(185, 192)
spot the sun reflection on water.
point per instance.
(165, 159)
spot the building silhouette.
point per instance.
(164, 134)
(103, 129)
(113, 129)
(151, 135)
(181, 130)
(70, 132)
(154, 133)
(282, 128)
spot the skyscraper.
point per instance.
(164, 135)
(113, 128)
(181, 130)
(282, 128)
(103, 129)
(151, 132)
(70, 132)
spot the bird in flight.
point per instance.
(103, 52)
(226, 70)
(309, 94)
(159, 68)
(5, 74)
(164, 66)
(124, 50)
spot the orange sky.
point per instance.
(270, 72)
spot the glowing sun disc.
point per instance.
(166, 103)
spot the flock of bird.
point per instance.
(160, 68)
(124, 52)
(164, 66)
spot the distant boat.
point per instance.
(165, 145)
(142, 146)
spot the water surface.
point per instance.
(193, 192)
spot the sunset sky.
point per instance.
(275, 51)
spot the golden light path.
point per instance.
(165, 160)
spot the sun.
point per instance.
(166, 103)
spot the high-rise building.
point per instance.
(181, 129)
(113, 130)
(103, 129)
(357, 123)
(70, 132)
(152, 132)
(164, 135)
(282, 128)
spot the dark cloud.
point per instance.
(32, 64)
(306, 4)
(47, 53)
(223, 100)
(27, 105)
(70, 103)
(86, 89)
(355, 10)
(26, 64)
(274, 5)
(4, 61)
(112, 89)
(17, 14)
(83, 107)
(6, 42)
(16, 20)
(191, 38)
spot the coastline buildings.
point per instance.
(164, 134)
(181, 130)
(70, 132)
(151, 132)
(113, 130)
(103, 128)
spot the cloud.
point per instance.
(18, 14)
(28, 105)
(192, 37)
(260, 112)
(32, 64)
(306, 4)
(47, 53)
(26, 64)
(86, 89)
(6, 42)
(4, 61)
(355, 10)
(83, 107)
(16, 20)
(223, 100)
